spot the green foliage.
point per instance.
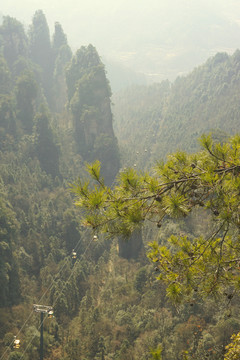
(208, 179)
(106, 150)
(8, 126)
(26, 93)
(62, 55)
(8, 339)
(59, 38)
(89, 101)
(8, 229)
(233, 349)
(140, 280)
(108, 303)
(46, 150)
(153, 121)
(40, 47)
(14, 40)
(156, 354)
(16, 355)
(85, 60)
(70, 229)
(5, 77)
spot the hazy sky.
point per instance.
(151, 36)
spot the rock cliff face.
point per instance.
(89, 102)
(131, 248)
(97, 122)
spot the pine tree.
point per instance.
(208, 179)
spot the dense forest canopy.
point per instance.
(110, 300)
(169, 117)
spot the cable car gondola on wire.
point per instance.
(50, 314)
(16, 343)
(74, 254)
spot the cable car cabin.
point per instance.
(16, 344)
(50, 314)
(95, 238)
(74, 255)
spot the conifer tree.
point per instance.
(209, 179)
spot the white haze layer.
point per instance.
(160, 38)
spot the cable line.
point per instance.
(94, 238)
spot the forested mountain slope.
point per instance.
(55, 115)
(42, 150)
(177, 114)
